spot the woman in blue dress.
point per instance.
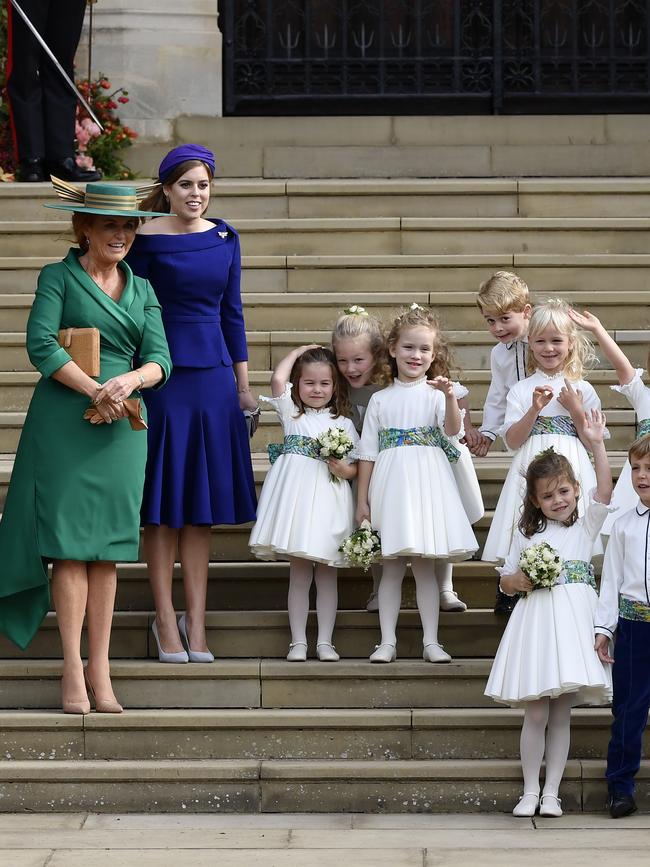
(199, 470)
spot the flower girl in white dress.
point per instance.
(545, 410)
(406, 486)
(304, 514)
(546, 661)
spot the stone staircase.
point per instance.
(253, 732)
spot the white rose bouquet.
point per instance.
(334, 443)
(363, 547)
(541, 564)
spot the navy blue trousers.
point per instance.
(631, 682)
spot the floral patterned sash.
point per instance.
(554, 424)
(579, 572)
(294, 444)
(395, 437)
(643, 427)
(632, 609)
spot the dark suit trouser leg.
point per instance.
(42, 106)
(59, 102)
(23, 83)
(631, 681)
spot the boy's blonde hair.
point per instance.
(555, 313)
(352, 326)
(640, 448)
(503, 292)
(416, 317)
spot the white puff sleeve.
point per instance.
(283, 405)
(369, 445)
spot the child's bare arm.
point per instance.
(282, 372)
(615, 355)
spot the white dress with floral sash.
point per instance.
(414, 499)
(301, 511)
(547, 648)
(548, 431)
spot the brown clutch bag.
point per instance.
(82, 345)
(133, 413)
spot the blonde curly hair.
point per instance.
(423, 317)
(555, 313)
(353, 326)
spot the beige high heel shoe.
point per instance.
(102, 705)
(79, 707)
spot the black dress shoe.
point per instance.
(30, 171)
(68, 170)
(504, 605)
(620, 805)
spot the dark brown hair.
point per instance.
(417, 317)
(81, 222)
(547, 465)
(156, 200)
(339, 404)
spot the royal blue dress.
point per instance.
(199, 464)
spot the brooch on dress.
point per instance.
(223, 234)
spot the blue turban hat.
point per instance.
(182, 154)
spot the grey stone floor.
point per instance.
(332, 840)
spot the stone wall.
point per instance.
(166, 53)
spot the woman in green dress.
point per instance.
(76, 486)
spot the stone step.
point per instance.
(261, 683)
(408, 146)
(457, 310)
(235, 199)
(279, 786)
(554, 273)
(305, 734)
(241, 634)
(388, 235)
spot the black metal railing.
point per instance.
(435, 56)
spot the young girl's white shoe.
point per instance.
(327, 653)
(435, 653)
(550, 805)
(449, 601)
(384, 653)
(297, 652)
(527, 805)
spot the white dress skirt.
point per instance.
(301, 511)
(465, 472)
(414, 499)
(624, 497)
(510, 504)
(547, 648)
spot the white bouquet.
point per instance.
(363, 547)
(541, 564)
(334, 443)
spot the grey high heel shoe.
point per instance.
(194, 655)
(163, 656)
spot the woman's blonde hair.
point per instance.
(157, 200)
(353, 326)
(555, 313)
(423, 317)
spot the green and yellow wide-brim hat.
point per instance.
(114, 200)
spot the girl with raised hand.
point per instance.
(632, 387)
(545, 409)
(306, 507)
(546, 661)
(406, 487)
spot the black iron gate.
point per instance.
(435, 56)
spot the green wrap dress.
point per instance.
(76, 488)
